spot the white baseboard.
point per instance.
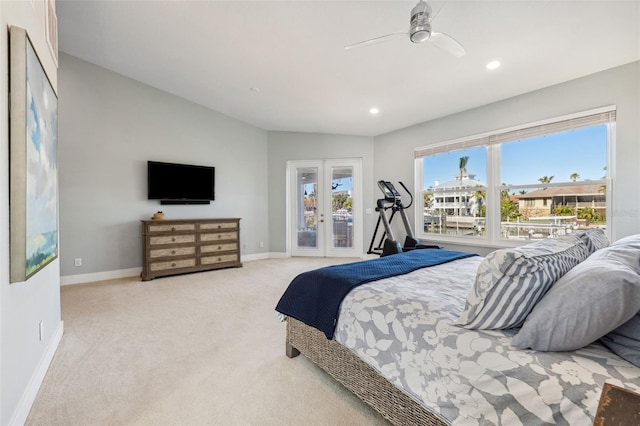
(279, 255)
(132, 272)
(99, 276)
(29, 396)
(257, 256)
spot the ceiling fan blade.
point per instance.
(448, 43)
(435, 13)
(375, 40)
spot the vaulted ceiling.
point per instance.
(281, 65)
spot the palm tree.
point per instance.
(574, 177)
(427, 199)
(545, 180)
(479, 195)
(603, 188)
(504, 193)
(462, 165)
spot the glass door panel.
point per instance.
(341, 207)
(307, 207)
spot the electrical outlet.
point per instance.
(261, 244)
(78, 261)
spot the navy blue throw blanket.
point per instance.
(314, 297)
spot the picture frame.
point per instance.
(33, 174)
(51, 26)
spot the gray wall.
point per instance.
(109, 126)
(285, 146)
(23, 356)
(619, 86)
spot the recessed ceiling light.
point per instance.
(374, 111)
(493, 65)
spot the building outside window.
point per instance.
(538, 181)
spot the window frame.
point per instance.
(492, 141)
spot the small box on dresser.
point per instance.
(172, 247)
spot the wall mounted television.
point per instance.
(173, 183)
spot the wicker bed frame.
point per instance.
(356, 375)
(617, 405)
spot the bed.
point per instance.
(523, 336)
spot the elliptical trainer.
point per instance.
(388, 244)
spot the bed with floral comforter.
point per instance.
(426, 332)
(403, 327)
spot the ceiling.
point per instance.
(281, 65)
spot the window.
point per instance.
(537, 181)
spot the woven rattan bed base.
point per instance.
(357, 376)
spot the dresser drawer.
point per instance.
(172, 239)
(176, 227)
(213, 248)
(170, 252)
(210, 260)
(172, 264)
(219, 236)
(220, 225)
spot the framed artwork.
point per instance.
(33, 168)
(51, 25)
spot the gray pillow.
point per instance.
(511, 281)
(591, 300)
(630, 241)
(624, 341)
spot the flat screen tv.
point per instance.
(180, 183)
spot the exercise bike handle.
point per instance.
(408, 192)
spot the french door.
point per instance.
(325, 208)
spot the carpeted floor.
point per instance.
(195, 349)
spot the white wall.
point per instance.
(109, 127)
(619, 86)
(24, 358)
(286, 146)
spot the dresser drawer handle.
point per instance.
(173, 238)
(219, 247)
(219, 259)
(219, 226)
(219, 236)
(173, 228)
(173, 252)
(173, 265)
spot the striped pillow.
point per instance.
(511, 281)
(594, 238)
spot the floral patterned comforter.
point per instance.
(402, 326)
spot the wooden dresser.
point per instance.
(172, 247)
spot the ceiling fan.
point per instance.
(420, 31)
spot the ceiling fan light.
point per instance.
(420, 35)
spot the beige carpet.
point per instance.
(195, 349)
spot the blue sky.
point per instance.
(582, 151)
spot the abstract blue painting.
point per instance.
(33, 154)
(41, 168)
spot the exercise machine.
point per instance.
(393, 201)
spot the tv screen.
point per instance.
(170, 181)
